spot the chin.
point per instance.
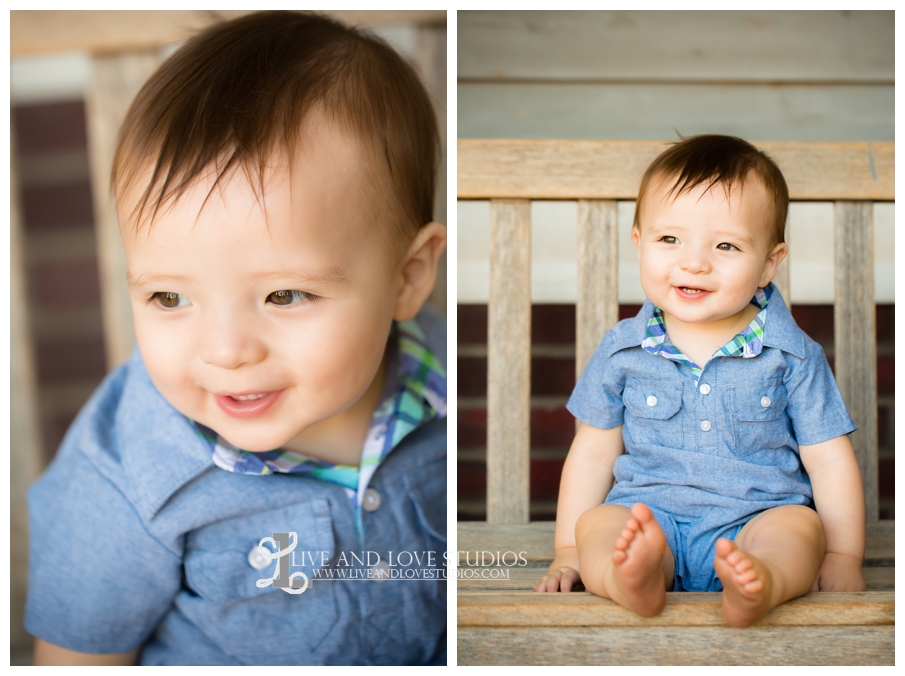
(252, 442)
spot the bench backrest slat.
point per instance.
(855, 336)
(509, 362)
(612, 169)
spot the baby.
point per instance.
(717, 416)
(283, 416)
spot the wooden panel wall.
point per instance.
(778, 75)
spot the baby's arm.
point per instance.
(586, 479)
(839, 497)
(48, 654)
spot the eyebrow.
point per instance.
(331, 275)
(149, 278)
(327, 276)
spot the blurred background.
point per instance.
(72, 76)
(642, 75)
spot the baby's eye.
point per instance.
(726, 246)
(169, 300)
(668, 239)
(287, 297)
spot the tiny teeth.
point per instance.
(248, 397)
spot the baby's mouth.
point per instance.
(248, 405)
(247, 397)
(691, 293)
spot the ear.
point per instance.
(771, 264)
(419, 270)
(636, 237)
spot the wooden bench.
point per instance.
(500, 621)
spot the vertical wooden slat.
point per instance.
(25, 447)
(855, 336)
(597, 305)
(116, 79)
(509, 363)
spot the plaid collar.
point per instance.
(417, 395)
(747, 344)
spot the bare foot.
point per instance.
(747, 584)
(636, 578)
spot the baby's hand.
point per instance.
(840, 572)
(563, 572)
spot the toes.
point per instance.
(619, 556)
(725, 547)
(742, 565)
(642, 513)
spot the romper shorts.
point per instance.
(693, 547)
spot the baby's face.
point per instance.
(267, 325)
(703, 256)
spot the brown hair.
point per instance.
(239, 91)
(718, 160)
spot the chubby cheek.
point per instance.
(165, 355)
(341, 355)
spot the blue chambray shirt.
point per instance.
(137, 539)
(726, 449)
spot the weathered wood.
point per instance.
(115, 82)
(26, 456)
(641, 111)
(855, 337)
(613, 169)
(44, 32)
(824, 645)
(597, 306)
(685, 609)
(636, 45)
(536, 540)
(525, 578)
(881, 543)
(509, 363)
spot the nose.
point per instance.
(695, 260)
(229, 342)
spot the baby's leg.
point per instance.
(774, 558)
(622, 555)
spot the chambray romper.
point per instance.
(707, 458)
(139, 540)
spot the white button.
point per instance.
(257, 558)
(705, 425)
(380, 571)
(765, 401)
(371, 500)
(651, 400)
(705, 389)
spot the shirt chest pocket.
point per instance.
(758, 416)
(652, 412)
(223, 566)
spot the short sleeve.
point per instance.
(597, 397)
(98, 582)
(815, 406)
